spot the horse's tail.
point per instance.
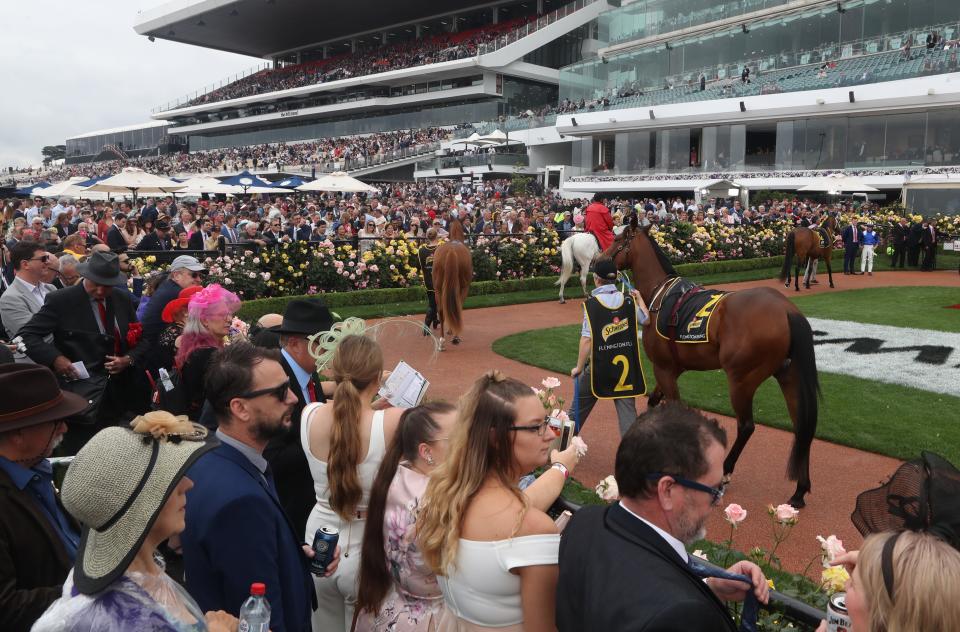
(788, 255)
(450, 289)
(566, 260)
(803, 362)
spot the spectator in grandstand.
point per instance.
(669, 470)
(28, 291)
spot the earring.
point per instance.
(430, 460)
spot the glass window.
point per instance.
(826, 143)
(943, 137)
(865, 141)
(905, 139)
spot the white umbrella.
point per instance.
(338, 182)
(135, 181)
(469, 140)
(204, 184)
(837, 183)
(493, 139)
(64, 188)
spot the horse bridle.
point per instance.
(628, 236)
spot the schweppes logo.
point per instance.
(614, 328)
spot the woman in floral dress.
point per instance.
(400, 592)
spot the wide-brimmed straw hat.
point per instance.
(117, 485)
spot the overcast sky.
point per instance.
(71, 67)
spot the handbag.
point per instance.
(92, 390)
(169, 393)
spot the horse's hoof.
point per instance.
(831, 286)
(797, 503)
(562, 301)
(440, 346)
(456, 340)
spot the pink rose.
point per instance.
(579, 445)
(786, 514)
(832, 549)
(607, 489)
(551, 382)
(735, 514)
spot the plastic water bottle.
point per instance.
(255, 613)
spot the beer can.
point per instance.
(324, 546)
(837, 618)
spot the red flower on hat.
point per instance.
(134, 332)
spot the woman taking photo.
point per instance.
(344, 442)
(493, 548)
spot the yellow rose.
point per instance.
(834, 579)
(151, 259)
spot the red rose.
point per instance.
(134, 331)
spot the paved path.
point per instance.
(838, 473)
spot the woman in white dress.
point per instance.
(344, 442)
(494, 552)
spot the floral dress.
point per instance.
(414, 601)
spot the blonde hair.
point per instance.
(926, 581)
(481, 445)
(357, 363)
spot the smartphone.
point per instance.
(566, 434)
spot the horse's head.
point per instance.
(619, 250)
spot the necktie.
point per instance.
(101, 306)
(312, 390)
(751, 607)
(854, 234)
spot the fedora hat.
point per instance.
(103, 268)
(305, 316)
(39, 398)
(118, 483)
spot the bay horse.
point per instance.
(580, 248)
(452, 274)
(753, 334)
(805, 244)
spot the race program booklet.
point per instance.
(405, 387)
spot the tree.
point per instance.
(53, 152)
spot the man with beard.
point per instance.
(625, 566)
(236, 530)
(38, 539)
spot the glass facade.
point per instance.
(901, 140)
(851, 42)
(134, 141)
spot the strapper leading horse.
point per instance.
(806, 245)
(452, 274)
(753, 334)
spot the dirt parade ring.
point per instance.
(838, 473)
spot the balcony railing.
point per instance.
(169, 105)
(532, 27)
(475, 160)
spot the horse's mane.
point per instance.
(661, 256)
(456, 231)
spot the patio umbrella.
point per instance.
(338, 182)
(135, 181)
(65, 188)
(93, 181)
(290, 183)
(33, 189)
(245, 180)
(204, 184)
(837, 183)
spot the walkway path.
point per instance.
(838, 473)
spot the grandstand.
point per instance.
(593, 95)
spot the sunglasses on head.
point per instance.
(279, 391)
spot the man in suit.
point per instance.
(625, 566)
(236, 530)
(38, 539)
(298, 230)
(200, 239)
(159, 239)
(301, 318)
(229, 229)
(901, 232)
(90, 323)
(852, 237)
(913, 243)
(114, 236)
(27, 293)
(928, 244)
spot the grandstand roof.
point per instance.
(262, 28)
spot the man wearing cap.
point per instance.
(27, 293)
(183, 272)
(88, 324)
(301, 318)
(159, 239)
(38, 540)
(608, 364)
(870, 241)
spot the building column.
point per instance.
(383, 38)
(496, 15)
(417, 30)
(326, 51)
(453, 23)
(539, 7)
(353, 45)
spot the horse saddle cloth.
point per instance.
(685, 311)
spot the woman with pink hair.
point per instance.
(209, 314)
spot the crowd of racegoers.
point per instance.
(420, 52)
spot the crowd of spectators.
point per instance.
(419, 52)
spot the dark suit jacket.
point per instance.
(196, 241)
(237, 534)
(900, 235)
(153, 324)
(150, 241)
(68, 316)
(618, 575)
(848, 235)
(928, 237)
(289, 462)
(33, 560)
(300, 234)
(115, 240)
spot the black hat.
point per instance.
(305, 316)
(39, 398)
(103, 268)
(605, 268)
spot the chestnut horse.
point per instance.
(452, 274)
(753, 334)
(805, 243)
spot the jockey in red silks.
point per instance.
(599, 222)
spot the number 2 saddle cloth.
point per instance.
(687, 307)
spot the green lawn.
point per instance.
(889, 419)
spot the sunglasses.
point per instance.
(540, 428)
(715, 492)
(197, 275)
(280, 392)
(43, 258)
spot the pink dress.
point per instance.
(414, 601)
